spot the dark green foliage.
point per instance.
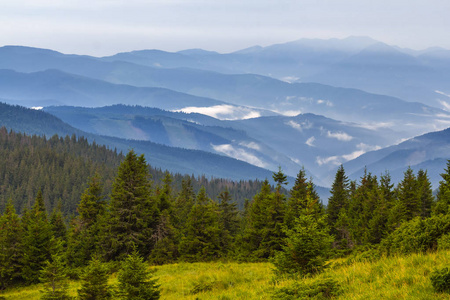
(443, 196)
(135, 280)
(94, 282)
(263, 234)
(201, 237)
(323, 288)
(228, 221)
(416, 235)
(132, 210)
(440, 279)
(11, 251)
(306, 245)
(338, 200)
(297, 200)
(92, 203)
(37, 241)
(57, 223)
(54, 277)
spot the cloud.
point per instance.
(223, 112)
(310, 141)
(445, 105)
(361, 148)
(326, 102)
(442, 93)
(375, 126)
(340, 136)
(290, 79)
(334, 160)
(300, 126)
(250, 145)
(239, 154)
(290, 113)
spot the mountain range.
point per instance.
(308, 103)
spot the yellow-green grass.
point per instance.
(402, 277)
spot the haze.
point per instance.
(105, 27)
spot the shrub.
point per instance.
(324, 288)
(444, 242)
(440, 279)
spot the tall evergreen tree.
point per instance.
(442, 205)
(425, 194)
(132, 210)
(37, 242)
(298, 198)
(201, 238)
(228, 221)
(408, 202)
(263, 234)
(11, 251)
(339, 198)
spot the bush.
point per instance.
(440, 279)
(444, 242)
(324, 288)
(417, 235)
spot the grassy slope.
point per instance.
(404, 277)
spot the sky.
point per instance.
(106, 27)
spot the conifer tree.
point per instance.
(339, 198)
(263, 234)
(408, 202)
(54, 276)
(442, 205)
(297, 200)
(132, 211)
(11, 251)
(228, 221)
(425, 194)
(57, 223)
(201, 238)
(94, 282)
(37, 242)
(306, 245)
(135, 280)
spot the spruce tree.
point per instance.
(339, 198)
(37, 242)
(94, 282)
(263, 234)
(408, 203)
(132, 210)
(228, 221)
(425, 194)
(54, 276)
(135, 280)
(201, 237)
(305, 247)
(442, 205)
(11, 250)
(298, 196)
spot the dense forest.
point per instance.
(92, 205)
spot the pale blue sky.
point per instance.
(104, 27)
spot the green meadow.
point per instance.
(401, 277)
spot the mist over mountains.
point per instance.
(308, 103)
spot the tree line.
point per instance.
(137, 217)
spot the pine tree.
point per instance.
(263, 234)
(228, 221)
(92, 203)
(135, 280)
(425, 194)
(408, 202)
(442, 205)
(57, 223)
(306, 245)
(38, 241)
(11, 251)
(94, 282)
(132, 211)
(297, 200)
(339, 198)
(201, 238)
(54, 277)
